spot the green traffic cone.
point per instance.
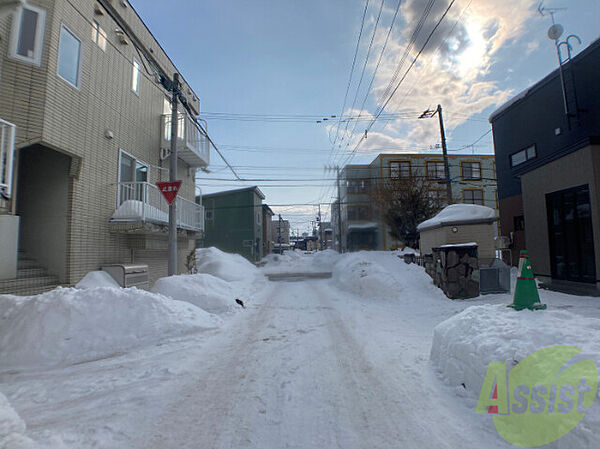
(526, 292)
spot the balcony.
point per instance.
(142, 202)
(192, 146)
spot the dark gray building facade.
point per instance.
(548, 168)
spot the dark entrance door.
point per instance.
(571, 235)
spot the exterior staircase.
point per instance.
(31, 279)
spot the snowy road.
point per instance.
(308, 369)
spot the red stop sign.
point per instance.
(169, 190)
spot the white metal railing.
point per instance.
(190, 137)
(7, 151)
(142, 201)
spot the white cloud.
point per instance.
(455, 70)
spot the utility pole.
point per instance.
(279, 237)
(320, 229)
(428, 114)
(172, 269)
(341, 247)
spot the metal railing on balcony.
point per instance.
(193, 147)
(143, 202)
(7, 151)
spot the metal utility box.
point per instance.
(129, 275)
(494, 277)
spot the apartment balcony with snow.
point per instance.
(193, 147)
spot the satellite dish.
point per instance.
(555, 31)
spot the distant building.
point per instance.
(280, 230)
(548, 162)
(362, 224)
(325, 235)
(267, 230)
(234, 222)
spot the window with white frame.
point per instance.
(435, 170)
(400, 170)
(69, 56)
(99, 35)
(133, 174)
(28, 34)
(522, 156)
(471, 170)
(135, 76)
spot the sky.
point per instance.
(267, 71)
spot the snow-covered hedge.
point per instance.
(69, 325)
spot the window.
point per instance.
(69, 56)
(258, 217)
(209, 215)
(132, 176)
(471, 170)
(435, 170)
(473, 196)
(437, 197)
(135, 77)
(99, 35)
(519, 223)
(358, 185)
(359, 212)
(523, 156)
(28, 34)
(400, 170)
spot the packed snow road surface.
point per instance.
(298, 375)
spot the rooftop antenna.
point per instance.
(567, 79)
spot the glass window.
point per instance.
(473, 196)
(523, 156)
(471, 170)
(69, 55)
(437, 197)
(99, 35)
(135, 77)
(28, 33)
(435, 170)
(208, 215)
(400, 170)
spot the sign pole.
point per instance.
(172, 270)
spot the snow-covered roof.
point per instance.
(508, 104)
(453, 245)
(459, 214)
(358, 226)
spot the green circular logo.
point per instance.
(542, 399)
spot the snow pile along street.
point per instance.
(12, 428)
(466, 343)
(226, 266)
(68, 325)
(206, 291)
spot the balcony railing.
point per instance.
(7, 151)
(193, 147)
(143, 202)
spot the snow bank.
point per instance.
(203, 290)
(95, 279)
(299, 262)
(466, 343)
(12, 428)
(459, 213)
(371, 274)
(68, 325)
(226, 266)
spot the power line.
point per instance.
(407, 71)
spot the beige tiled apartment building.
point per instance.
(473, 181)
(81, 82)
